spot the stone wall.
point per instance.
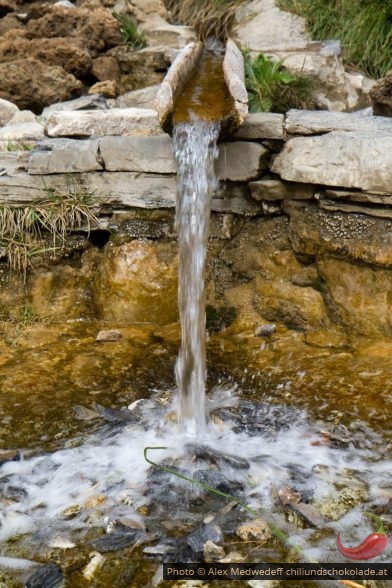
(301, 230)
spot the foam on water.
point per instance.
(111, 465)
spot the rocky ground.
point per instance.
(55, 51)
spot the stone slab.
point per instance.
(262, 125)
(117, 121)
(358, 196)
(110, 189)
(349, 160)
(146, 154)
(315, 122)
(376, 211)
(55, 156)
(241, 161)
(277, 190)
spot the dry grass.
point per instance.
(22, 229)
(209, 18)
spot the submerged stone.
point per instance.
(220, 458)
(115, 541)
(46, 576)
(218, 480)
(199, 538)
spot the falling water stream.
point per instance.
(204, 102)
(195, 150)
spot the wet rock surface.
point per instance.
(47, 576)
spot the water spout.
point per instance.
(202, 97)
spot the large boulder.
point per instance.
(31, 84)
(98, 29)
(381, 95)
(67, 53)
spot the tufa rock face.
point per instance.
(67, 53)
(31, 84)
(98, 29)
(381, 95)
(137, 282)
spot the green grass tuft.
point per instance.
(271, 87)
(132, 36)
(364, 28)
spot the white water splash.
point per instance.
(111, 466)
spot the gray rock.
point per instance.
(22, 131)
(108, 335)
(146, 154)
(262, 24)
(46, 576)
(220, 458)
(143, 98)
(309, 514)
(84, 414)
(278, 190)
(115, 541)
(117, 121)
(7, 111)
(23, 116)
(315, 122)
(199, 538)
(93, 102)
(351, 160)
(262, 125)
(64, 156)
(241, 161)
(160, 32)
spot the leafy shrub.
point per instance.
(364, 28)
(271, 87)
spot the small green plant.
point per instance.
(132, 36)
(271, 87)
(364, 28)
(22, 228)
